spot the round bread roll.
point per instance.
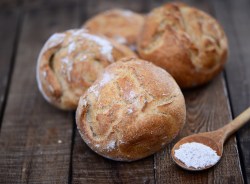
(131, 111)
(121, 25)
(70, 62)
(187, 42)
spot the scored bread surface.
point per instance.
(187, 42)
(70, 62)
(121, 25)
(132, 110)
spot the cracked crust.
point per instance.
(70, 62)
(131, 111)
(188, 43)
(121, 25)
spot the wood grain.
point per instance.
(234, 17)
(9, 22)
(35, 140)
(207, 109)
(88, 167)
(10, 4)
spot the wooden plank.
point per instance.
(9, 4)
(207, 109)
(35, 140)
(88, 167)
(8, 35)
(234, 16)
(29, 4)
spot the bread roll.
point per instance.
(132, 110)
(70, 62)
(187, 42)
(118, 24)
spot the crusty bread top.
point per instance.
(132, 110)
(119, 24)
(70, 62)
(186, 41)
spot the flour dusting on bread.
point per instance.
(120, 39)
(106, 46)
(111, 145)
(94, 89)
(68, 67)
(55, 40)
(106, 78)
(72, 47)
(71, 61)
(130, 111)
(127, 110)
(126, 13)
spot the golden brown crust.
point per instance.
(188, 43)
(118, 24)
(70, 62)
(131, 111)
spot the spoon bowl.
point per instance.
(215, 139)
(203, 138)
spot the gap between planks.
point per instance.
(234, 17)
(9, 67)
(30, 151)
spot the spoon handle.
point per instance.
(236, 124)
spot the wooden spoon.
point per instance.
(214, 139)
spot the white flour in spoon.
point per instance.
(196, 155)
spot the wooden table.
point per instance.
(40, 144)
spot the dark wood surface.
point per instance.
(8, 36)
(40, 144)
(35, 139)
(235, 18)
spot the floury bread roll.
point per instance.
(121, 25)
(132, 110)
(71, 61)
(188, 43)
